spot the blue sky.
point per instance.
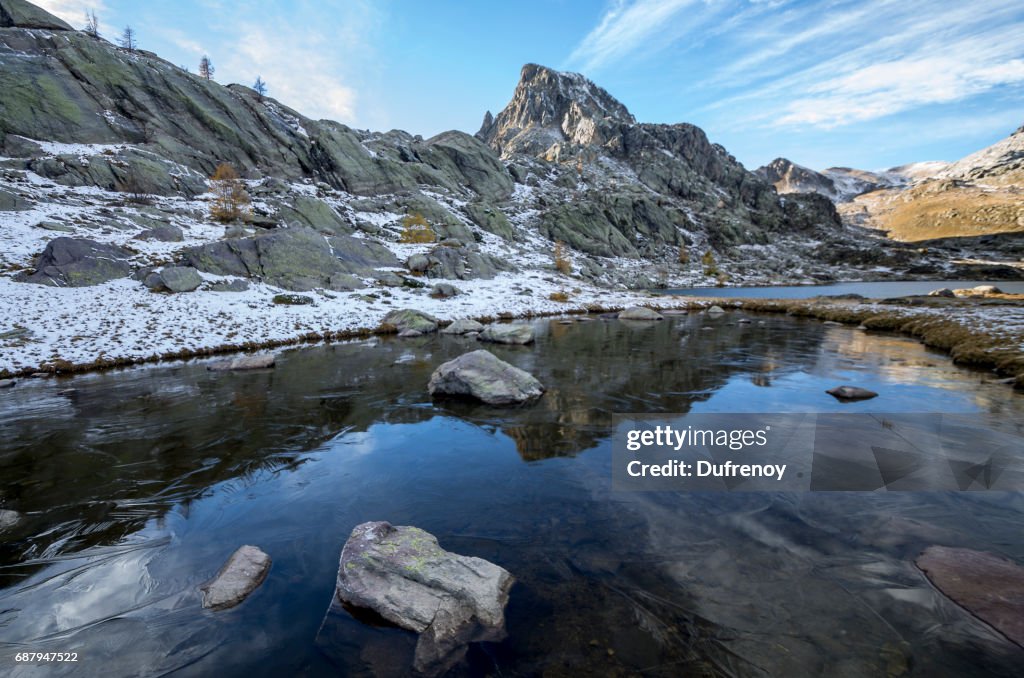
(868, 84)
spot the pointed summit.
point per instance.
(550, 107)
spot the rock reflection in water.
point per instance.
(138, 484)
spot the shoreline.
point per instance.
(967, 332)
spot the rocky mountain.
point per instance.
(981, 194)
(840, 184)
(111, 148)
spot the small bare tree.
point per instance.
(127, 40)
(562, 263)
(260, 87)
(92, 24)
(206, 68)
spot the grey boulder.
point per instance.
(236, 285)
(174, 279)
(507, 334)
(851, 393)
(162, 233)
(245, 362)
(8, 519)
(445, 291)
(411, 319)
(640, 313)
(243, 572)
(463, 326)
(715, 310)
(942, 292)
(402, 574)
(481, 375)
(79, 262)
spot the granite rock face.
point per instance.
(402, 574)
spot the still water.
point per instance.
(871, 290)
(137, 484)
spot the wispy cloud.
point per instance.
(824, 64)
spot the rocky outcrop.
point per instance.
(78, 262)
(483, 376)
(21, 14)
(243, 572)
(402, 574)
(296, 259)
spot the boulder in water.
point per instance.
(640, 313)
(851, 393)
(481, 375)
(463, 326)
(8, 519)
(402, 574)
(507, 334)
(411, 319)
(942, 292)
(244, 571)
(245, 362)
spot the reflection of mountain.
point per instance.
(94, 464)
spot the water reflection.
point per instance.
(137, 484)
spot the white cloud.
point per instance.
(72, 11)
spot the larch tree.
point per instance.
(206, 68)
(92, 24)
(230, 199)
(260, 87)
(127, 40)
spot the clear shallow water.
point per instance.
(139, 483)
(871, 290)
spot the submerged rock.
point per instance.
(245, 362)
(8, 519)
(408, 334)
(7, 383)
(463, 326)
(411, 319)
(715, 310)
(402, 574)
(640, 313)
(244, 571)
(851, 393)
(507, 334)
(481, 375)
(988, 586)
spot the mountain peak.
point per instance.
(22, 14)
(549, 107)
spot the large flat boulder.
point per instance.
(640, 313)
(245, 362)
(463, 326)
(402, 574)
(483, 376)
(79, 262)
(988, 586)
(243, 572)
(507, 334)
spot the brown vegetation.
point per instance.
(230, 199)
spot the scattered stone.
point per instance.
(463, 326)
(706, 328)
(744, 321)
(162, 233)
(832, 323)
(344, 282)
(7, 383)
(640, 313)
(408, 334)
(236, 285)
(245, 362)
(411, 319)
(243, 572)
(988, 586)
(175, 279)
(675, 311)
(584, 319)
(566, 321)
(481, 375)
(40, 375)
(445, 291)
(8, 519)
(715, 310)
(389, 279)
(507, 334)
(942, 292)
(402, 574)
(293, 299)
(54, 226)
(851, 393)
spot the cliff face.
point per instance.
(564, 161)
